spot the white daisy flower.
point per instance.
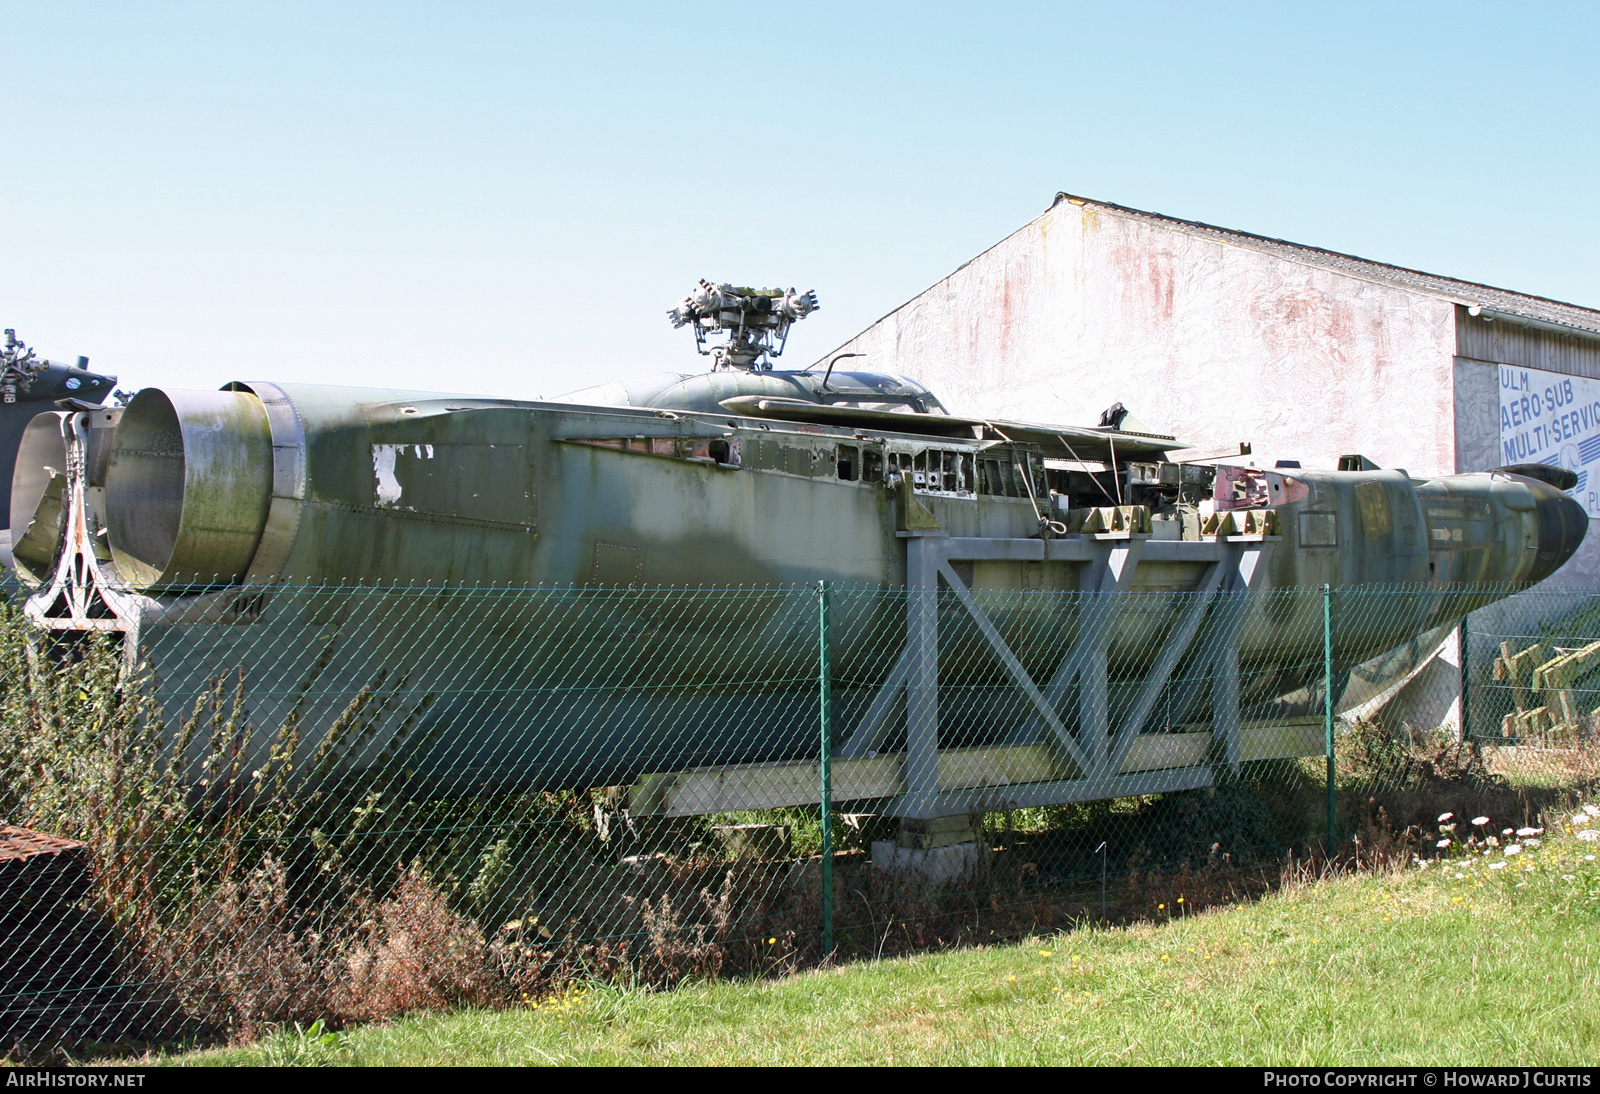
(1497, 866)
(1527, 831)
(1443, 843)
(1513, 849)
(1592, 810)
(1480, 821)
(1589, 835)
(1444, 817)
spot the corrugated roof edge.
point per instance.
(1559, 312)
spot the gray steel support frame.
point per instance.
(1092, 756)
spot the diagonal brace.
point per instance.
(1019, 674)
(869, 733)
(1172, 651)
(1112, 574)
(1228, 617)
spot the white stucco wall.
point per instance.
(1477, 399)
(1218, 342)
(1211, 341)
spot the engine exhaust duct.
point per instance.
(187, 488)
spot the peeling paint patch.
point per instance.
(386, 493)
(471, 481)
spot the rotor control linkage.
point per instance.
(757, 321)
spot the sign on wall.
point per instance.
(1550, 417)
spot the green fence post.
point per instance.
(1466, 680)
(825, 703)
(1327, 700)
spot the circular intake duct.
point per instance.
(39, 497)
(187, 487)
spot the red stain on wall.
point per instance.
(1148, 284)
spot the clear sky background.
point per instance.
(506, 198)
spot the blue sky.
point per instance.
(506, 198)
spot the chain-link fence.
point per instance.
(293, 803)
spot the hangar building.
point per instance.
(1219, 336)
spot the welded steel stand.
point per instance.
(1096, 753)
(922, 678)
(825, 759)
(1327, 702)
(1070, 742)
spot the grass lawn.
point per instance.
(1482, 958)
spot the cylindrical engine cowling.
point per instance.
(187, 487)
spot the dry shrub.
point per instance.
(243, 961)
(420, 954)
(698, 952)
(1392, 787)
(228, 889)
(234, 957)
(1379, 844)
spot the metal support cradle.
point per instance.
(1095, 759)
(1084, 733)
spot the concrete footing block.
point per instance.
(937, 864)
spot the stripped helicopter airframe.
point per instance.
(187, 516)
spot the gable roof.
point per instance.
(1469, 293)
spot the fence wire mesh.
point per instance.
(297, 803)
